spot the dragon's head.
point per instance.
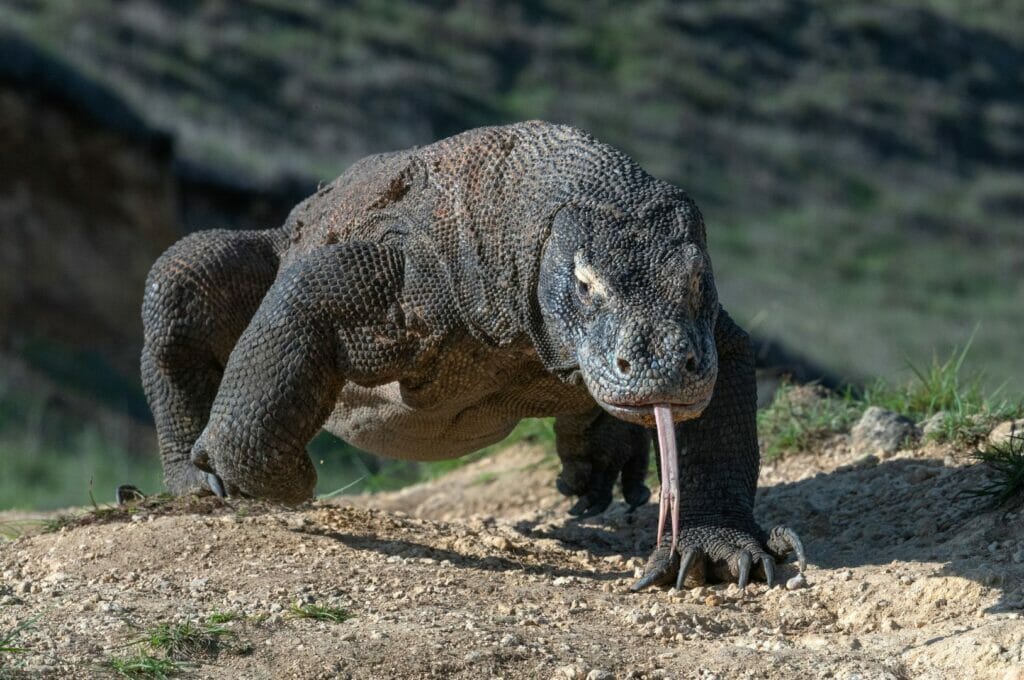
(632, 301)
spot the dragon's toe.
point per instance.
(216, 485)
(715, 554)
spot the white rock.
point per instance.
(796, 583)
(1004, 432)
(932, 424)
(879, 430)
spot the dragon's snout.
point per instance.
(650, 362)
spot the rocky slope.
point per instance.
(481, 573)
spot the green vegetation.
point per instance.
(801, 417)
(967, 410)
(49, 459)
(318, 612)
(176, 644)
(1006, 460)
(187, 639)
(144, 666)
(9, 639)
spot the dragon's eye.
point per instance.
(583, 290)
(589, 287)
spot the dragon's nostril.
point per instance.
(623, 365)
(691, 364)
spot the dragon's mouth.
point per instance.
(643, 412)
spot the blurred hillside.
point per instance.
(860, 165)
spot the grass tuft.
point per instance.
(144, 665)
(318, 612)
(967, 412)
(801, 417)
(187, 639)
(1007, 461)
(8, 640)
(224, 617)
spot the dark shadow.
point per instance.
(898, 510)
(902, 510)
(390, 546)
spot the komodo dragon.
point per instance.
(427, 300)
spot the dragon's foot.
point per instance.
(187, 478)
(594, 482)
(714, 554)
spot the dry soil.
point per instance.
(483, 574)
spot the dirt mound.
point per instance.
(481, 573)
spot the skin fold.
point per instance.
(427, 300)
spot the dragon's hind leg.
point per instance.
(596, 450)
(200, 296)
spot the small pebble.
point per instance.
(796, 583)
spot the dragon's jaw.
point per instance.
(645, 414)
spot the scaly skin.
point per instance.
(427, 300)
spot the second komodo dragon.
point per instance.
(427, 300)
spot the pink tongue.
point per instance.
(669, 472)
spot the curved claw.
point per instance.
(216, 485)
(768, 562)
(596, 509)
(782, 541)
(689, 557)
(745, 562)
(636, 496)
(659, 570)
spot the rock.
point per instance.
(499, 543)
(882, 431)
(1004, 432)
(796, 583)
(932, 425)
(1014, 673)
(509, 640)
(571, 672)
(598, 674)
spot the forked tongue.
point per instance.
(669, 472)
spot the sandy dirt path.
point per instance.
(482, 574)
